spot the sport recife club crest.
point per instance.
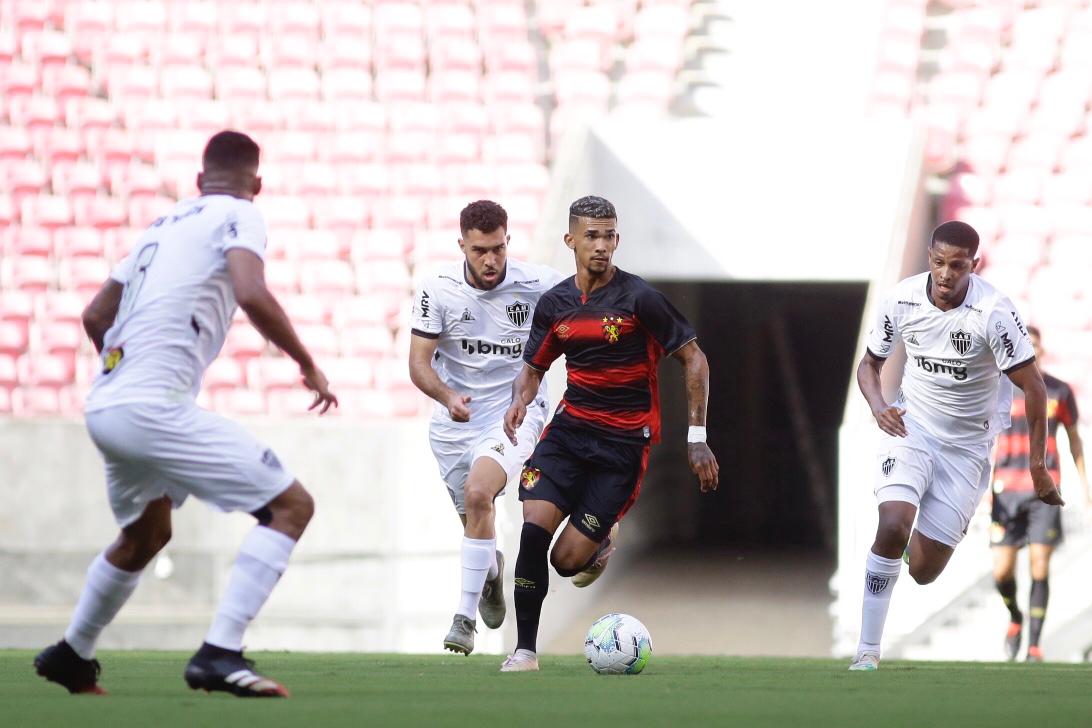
(612, 328)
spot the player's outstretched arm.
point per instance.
(247, 272)
(1076, 449)
(888, 418)
(1029, 379)
(100, 314)
(524, 388)
(424, 377)
(696, 373)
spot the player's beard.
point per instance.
(480, 282)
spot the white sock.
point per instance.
(880, 576)
(479, 560)
(262, 559)
(104, 593)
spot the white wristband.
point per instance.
(695, 434)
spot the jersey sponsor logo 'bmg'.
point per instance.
(513, 350)
(957, 369)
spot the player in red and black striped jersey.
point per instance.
(613, 329)
(1019, 517)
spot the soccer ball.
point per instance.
(618, 644)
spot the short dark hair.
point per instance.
(1034, 331)
(484, 215)
(590, 206)
(956, 233)
(230, 150)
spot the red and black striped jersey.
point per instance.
(613, 341)
(1013, 446)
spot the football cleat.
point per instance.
(1013, 637)
(521, 661)
(214, 668)
(491, 605)
(460, 638)
(59, 663)
(865, 662)
(1035, 654)
(602, 554)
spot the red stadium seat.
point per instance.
(26, 179)
(76, 242)
(143, 211)
(1020, 187)
(366, 311)
(512, 54)
(106, 212)
(382, 276)
(393, 18)
(14, 143)
(243, 342)
(399, 212)
(290, 51)
(83, 275)
(148, 17)
(347, 373)
(454, 86)
(193, 17)
(319, 339)
(30, 241)
(240, 83)
(180, 83)
(49, 211)
(132, 83)
(66, 82)
(395, 85)
(271, 373)
(340, 213)
(293, 84)
(246, 402)
(224, 373)
(449, 21)
(370, 181)
(306, 310)
(326, 278)
(379, 244)
(455, 54)
(60, 337)
(346, 51)
(1071, 188)
(8, 211)
(458, 148)
(13, 337)
(296, 18)
(347, 18)
(19, 79)
(283, 211)
(61, 307)
(341, 84)
(408, 147)
(9, 377)
(366, 341)
(281, 276)
(17, 306)
(35, 401)
(81, 179)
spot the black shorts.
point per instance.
(1021, 518)
(592, 478)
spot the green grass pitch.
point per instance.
(435, 690)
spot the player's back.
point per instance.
(178, 301)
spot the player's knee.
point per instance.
(479, 502)
(923, 575)
(292, 509)
(565, 564)
(893, 536)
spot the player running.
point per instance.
(960, 334)
(158, 322)
(470, 325)
(613, 329)
(1020, 518)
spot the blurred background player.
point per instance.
(934, 465)
(470, 325)
(1019, 517)
(158, 322)
(613, 329)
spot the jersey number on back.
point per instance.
(136, 279)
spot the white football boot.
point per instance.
(521, 661)
(865, 662)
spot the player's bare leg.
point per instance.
(219, 663)
(482, 564)
(881, 571)
(591, 572)
(1039, 556)
(532, 580)
(575, 554)
(1004, 578)
(111, 580)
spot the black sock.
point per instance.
(1007, 589)
(532, 581)
(1040, 593)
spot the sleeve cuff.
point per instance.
(676, 349)
(424, 334)
(874, 355)
(1021, 365)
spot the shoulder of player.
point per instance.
(444, 276)
(909, 293)
(531, 276)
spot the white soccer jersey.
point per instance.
(481, 334)
(953, 384)
(178, 302)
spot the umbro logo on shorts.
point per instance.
(887, 466)
(590, 522)
(876, 583)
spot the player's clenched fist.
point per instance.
(703, 464)
(890, 420)
(1045, 488)
(513, 420)
(458, 406)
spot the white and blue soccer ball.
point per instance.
(618, 644)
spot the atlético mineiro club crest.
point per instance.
(518, 312)
(961, 340)
(876, 583)
(887, 466)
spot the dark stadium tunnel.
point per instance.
(780, 358)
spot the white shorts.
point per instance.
(946, 482)
(456, 449)
(177, 450)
